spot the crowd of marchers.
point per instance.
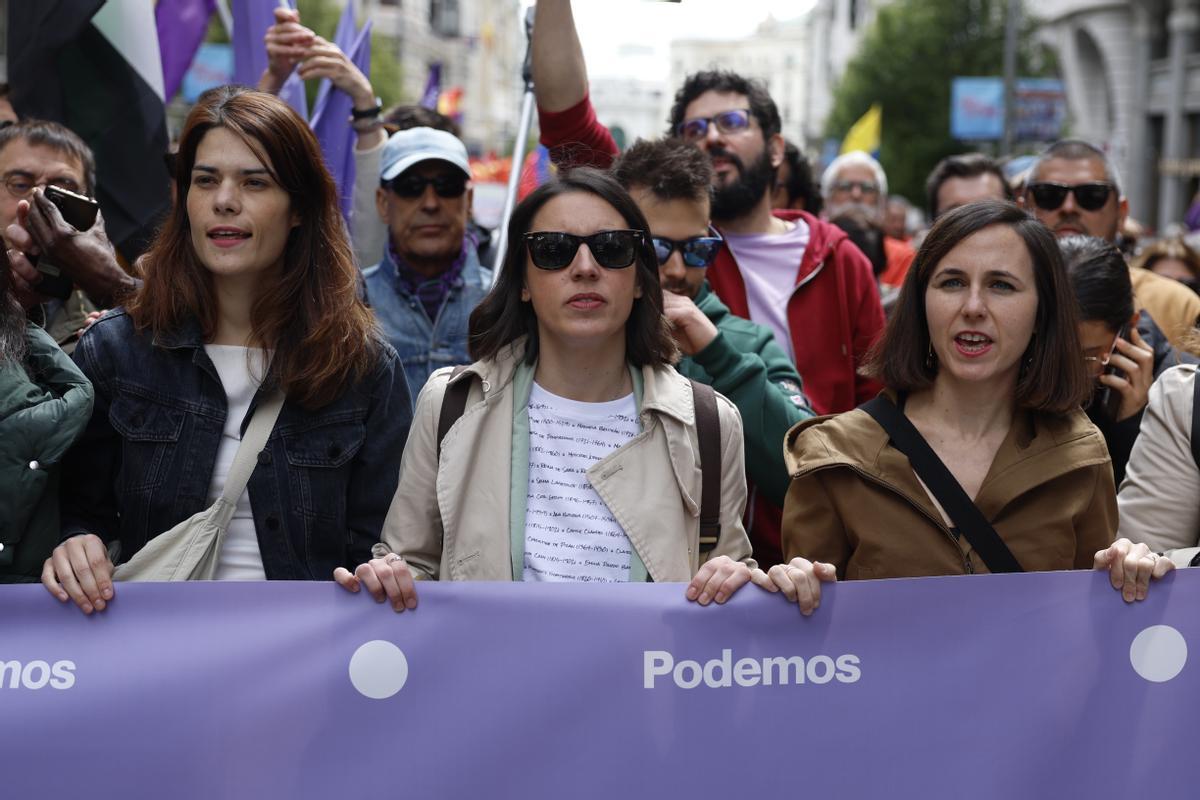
(694, 361)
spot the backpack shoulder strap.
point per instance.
(948, 491)
(454, 403)
(1196, 419)
(708, 431)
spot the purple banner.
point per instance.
(1040, 685)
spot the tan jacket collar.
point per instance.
(1039, 447)
(664, 391)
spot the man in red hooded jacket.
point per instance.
(797, 275)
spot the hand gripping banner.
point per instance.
(1034, 685)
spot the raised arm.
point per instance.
(567, 120)
(559, 71)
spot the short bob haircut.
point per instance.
(323, 336)
(503, 317)
(1053, 377)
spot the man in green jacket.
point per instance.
(45, 402)
(671, 182)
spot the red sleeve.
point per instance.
(868, 315)
(575, 138)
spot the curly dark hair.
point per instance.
(720, 80)
(670, 168)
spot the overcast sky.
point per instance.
(631, 38)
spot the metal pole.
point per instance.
(226, 17)
(518, 154)
(1012, 25)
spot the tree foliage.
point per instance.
(906, 62)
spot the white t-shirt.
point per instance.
(768, 263)
(240, 558)
(570, 535)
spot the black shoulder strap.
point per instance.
(454, 403)
(1196, 419)
(965, 514)
(708, 431)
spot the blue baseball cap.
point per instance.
(407, 148)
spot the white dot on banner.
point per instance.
(1158, 653)
(378, 669)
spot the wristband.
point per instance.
(368, 113)
(366, 125)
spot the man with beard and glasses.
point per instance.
(45, 403)
(855, 183)
(671, 182)
(797, 275)
(1073, 188)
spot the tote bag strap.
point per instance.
(945, 488)
(255, 439)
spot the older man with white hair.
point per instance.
(855, 184)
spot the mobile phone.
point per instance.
(80, 213)
(1112, 398)
(78, 210)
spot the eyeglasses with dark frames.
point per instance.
(733, 121)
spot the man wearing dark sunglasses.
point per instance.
(789, 271)
(1073, 188)
(671, 182)
(429, 278)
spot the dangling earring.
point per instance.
(930, 359)
(1027, 359)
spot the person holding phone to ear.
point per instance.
(1124, 350)
(34, 156)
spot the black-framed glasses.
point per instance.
(697, 251)
(21, 184)
(1088, 196)
(732, 121)
(413, 186)
(866, 187)
(611, 249)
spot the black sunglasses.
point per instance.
(611, 249)
(698, 251)
(411, 186)
(1088, 196)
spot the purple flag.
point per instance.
(181, 28)
(344, 39)
(1034, 685)
(330, 124)
(251, 18)
(433, 86)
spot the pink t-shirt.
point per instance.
(768, 263)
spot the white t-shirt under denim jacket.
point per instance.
(241, 370)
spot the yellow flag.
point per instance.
(865, 134)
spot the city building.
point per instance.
(1132, 73)
(481, 47)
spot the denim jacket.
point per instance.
(322, 485)
(424, 345)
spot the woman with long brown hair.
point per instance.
(249, 293)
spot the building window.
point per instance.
(443, 17)
(853, 14)
(389, 3)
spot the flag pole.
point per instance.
(518, 154)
